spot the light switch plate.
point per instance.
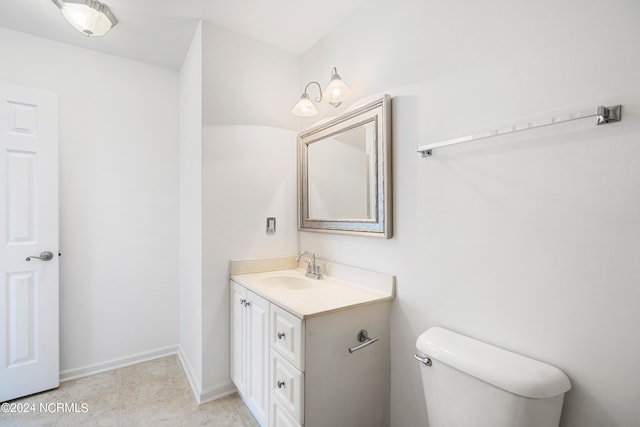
(271, 225)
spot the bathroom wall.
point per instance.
(248, 174)
(529, 241)
(118, 198)
(190, 224)
(246, 82)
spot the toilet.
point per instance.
(468, 383)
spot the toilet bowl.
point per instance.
(468, 383)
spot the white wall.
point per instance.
(190, 224)
(529, 241)
(248, 173)
(118, 197)
(247, 82)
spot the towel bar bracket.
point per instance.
(609, 114)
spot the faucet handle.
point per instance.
(309, 267)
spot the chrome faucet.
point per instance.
(313, 270)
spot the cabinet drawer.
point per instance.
(287, 336)
(287, 386)
(279, 417)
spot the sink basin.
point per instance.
(288, 282)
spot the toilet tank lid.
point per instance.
(509, 371)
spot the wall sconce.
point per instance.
(90, 17)
(336, 92)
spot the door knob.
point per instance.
(44, 256)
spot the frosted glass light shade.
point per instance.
(337, 91)
(90, 17)
(304, 107)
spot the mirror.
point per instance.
(344, 173)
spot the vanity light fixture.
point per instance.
(90, 17)
(336, 92)
(304, 107)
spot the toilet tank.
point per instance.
(468, 383)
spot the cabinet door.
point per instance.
(279, 417)
(287, 386)
(238, 336)
(257, 386)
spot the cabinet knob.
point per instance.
(242, 301)
(280, 335)
(280, 384)
(247, 304)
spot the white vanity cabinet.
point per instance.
(250, 349)
(313, 378)
(286, 367)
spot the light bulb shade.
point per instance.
(90, 17)
(337, 91)
(304, 107)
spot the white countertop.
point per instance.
(332, 293)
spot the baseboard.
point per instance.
(211, 393)
(72, 374)
(217, 391)
(194, 381)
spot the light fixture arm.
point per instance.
(319, 90)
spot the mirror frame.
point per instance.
(379, 112)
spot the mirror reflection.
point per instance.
(347, 192)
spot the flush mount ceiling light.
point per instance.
(90, 17)
(336, 92)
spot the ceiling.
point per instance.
(160, 31)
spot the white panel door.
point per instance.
(29, 354)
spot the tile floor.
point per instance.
(154, 393)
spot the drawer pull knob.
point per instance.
(280, 384)
(280, 335)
